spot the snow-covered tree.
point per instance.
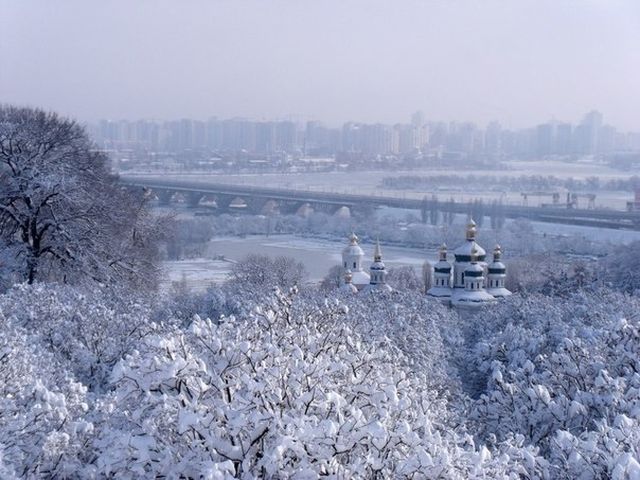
(62, 215)
(620, 268)
(333, 279)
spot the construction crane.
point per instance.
(525, 197)
(634, 206)
(571, 202)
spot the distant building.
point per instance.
(562, 144)
(587, 134)
(545, 139)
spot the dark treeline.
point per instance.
(519, 183)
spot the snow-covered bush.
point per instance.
(388, 385)
(43, 429)
(88, 330)
(420, 327)
(285, 393)
(565, 375)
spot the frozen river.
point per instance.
(318, 256)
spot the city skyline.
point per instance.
(590, 136)
(301, 121)
(365, 61)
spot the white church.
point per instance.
(355, 278)
(468, 282)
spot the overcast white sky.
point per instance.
(520, 62)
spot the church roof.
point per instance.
(353, 249)
(439, 291)
(467, 247)
(360, 277)
(499, 292)
(474, 298)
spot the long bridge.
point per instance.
(259, 199)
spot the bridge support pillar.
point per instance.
(164, 197)
(270, 207)
(193, 199)
(342, 212)
(303, 210)
(361, 210)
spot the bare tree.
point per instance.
(62, 215)
(404, 278)
(260, 271)
(333, 279)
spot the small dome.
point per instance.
(442, 267)
(348, 276)
(348, 286)
(497, 267)
(474, 268)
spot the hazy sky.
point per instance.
(520, 62)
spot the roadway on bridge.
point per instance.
(605, 218)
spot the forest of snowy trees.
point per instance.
(264, 376)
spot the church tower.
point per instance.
(378, 272)
(352, 256)
(441, 287)
(497, 273)
(463, 255)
